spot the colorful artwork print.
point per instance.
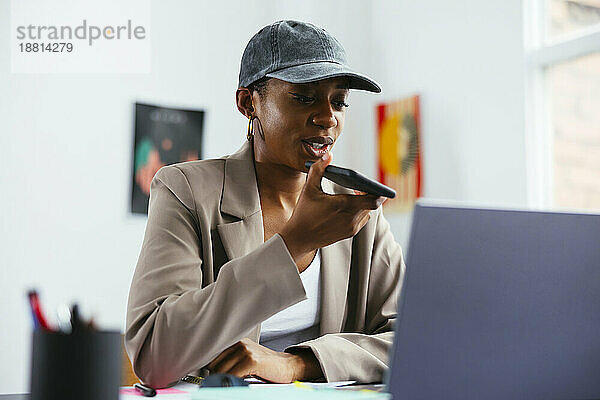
(399, 151)
(163, 136)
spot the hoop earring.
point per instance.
(250, 133)
(259, 128)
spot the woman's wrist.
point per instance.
(305, 366)
(293, 245)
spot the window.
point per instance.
(564, 17)
(574, 89)
(563, 103)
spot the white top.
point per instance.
(300, 322)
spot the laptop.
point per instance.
(499, 304)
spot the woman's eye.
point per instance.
(340, 105)
(302, 99)
(337, 104)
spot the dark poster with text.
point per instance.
(163, 136)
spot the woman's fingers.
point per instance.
(242, 369)
(228, 363)
(362, 222)
(316, 171)
(247, 358)
(360, 202)
(367, 201)
(320, 219)
(231, 349)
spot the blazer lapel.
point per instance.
(240, 199)
(241, 237)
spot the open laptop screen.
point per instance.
(499, 304)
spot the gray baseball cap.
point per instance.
(298, 52)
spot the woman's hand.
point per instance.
(248, 358)
(320, 219)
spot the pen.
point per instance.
(36, 324)
(76, 323)
(38, 318)
(63, 316)
(145, 390)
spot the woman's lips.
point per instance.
(316, 150)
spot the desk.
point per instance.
(377, 388)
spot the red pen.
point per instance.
(36, 310)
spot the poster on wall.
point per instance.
(163, 136)
(399, 151)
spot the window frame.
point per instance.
(539, 56)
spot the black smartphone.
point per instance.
(354, 180)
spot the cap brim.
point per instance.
(323, 70)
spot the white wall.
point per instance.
(65, 155)
(465, 58)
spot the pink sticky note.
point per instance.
(129, 390)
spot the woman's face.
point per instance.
(300, 122)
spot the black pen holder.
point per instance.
(85, 364)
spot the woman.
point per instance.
(249, 265)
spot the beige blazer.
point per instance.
(206, 279)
